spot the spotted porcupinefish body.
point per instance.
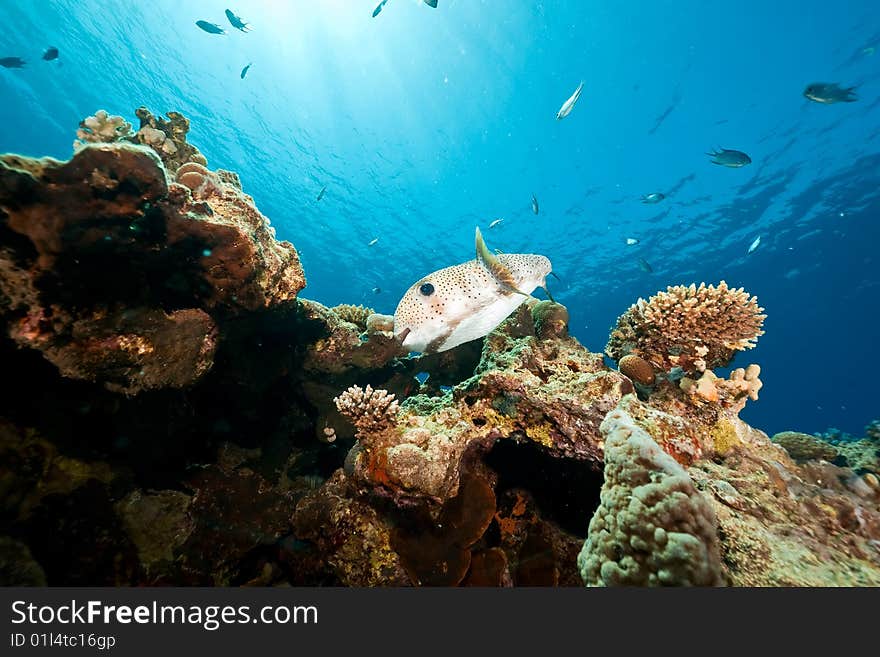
(464, 302)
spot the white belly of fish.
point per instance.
(479, 322)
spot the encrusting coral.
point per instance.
(653, 527)
(357, 315)
(694, 328)
(805, 447)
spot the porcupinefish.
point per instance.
(464, 302)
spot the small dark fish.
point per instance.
(645, 266)
(211, 28)
(378, 8)
(534, 204)
(377, 290)
(653, 197)
(237, 23)
(828, 93)
(729, 158)
(431, 3)
(12, 62)
(321, 193)
(50, 54)
(245, 70)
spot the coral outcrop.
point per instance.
(805, 447)
(102, 128)
(357, 315)
(86, 272)
(694, 328)
(653, 528)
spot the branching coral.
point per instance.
(695, 328)
(369, 410)
(101, 127)
(653, 527)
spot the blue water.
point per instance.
(424, 123)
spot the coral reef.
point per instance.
(694, 328)
(637, 369)
(805, 447)
(179, 415)
(862, 454)
(112, 209)
(369, 410)
(357, 315)
(168, 138)
(653, 528)
(709, 388)
(102, 128)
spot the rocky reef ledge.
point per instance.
(175, 413)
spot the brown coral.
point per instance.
(637, 368)
(695, 328)
(356, 315)
(98, 247)
(805, 447)
(168, 138)
(371, 411)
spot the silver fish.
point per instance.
(534, 204)
(373, 241)
(729, 158)
(645, 266)
(828, 93)
(495, 223)
(631, 240)
(321, 193)
(653, 197)
(568, 105)
(465, 302)
(754, 245)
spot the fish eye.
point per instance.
(427, 289)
